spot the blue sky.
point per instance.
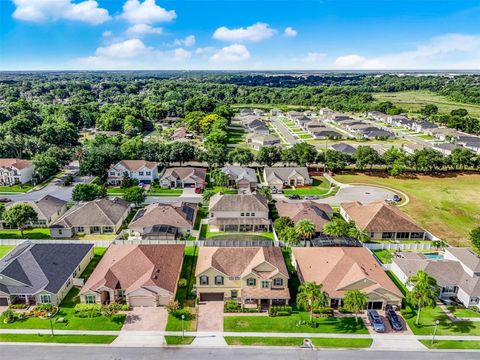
(230, 34)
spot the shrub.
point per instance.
(114, 307)
(68, 180)
(87, 310)
(275, 310)
(45, 307)
(125, 307)
(186, 312)
(232, 306)
(182, 283)
(342, 310)
(172, 307)
(324, 311)
(8, 316)
(17, 306)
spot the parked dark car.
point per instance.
(4, 200)
(396, 198)
(394, 320)
(376, 321)
(294, 197)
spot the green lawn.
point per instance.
(37, 233)
(344, 325)
(305, 136)
(445, 205)
(452, 344)
(4, 249)
(116, 190)
(202, 213)
(98, 254)
(175, 324)
(236, 136)
(179, 340)
(385, 256)
(297, 341)
(20, 188)
(62, 339)
(223, 189)
(397, 282)
(463, 313)
(188, 273)
(157, 191)
(257, 235)
(320, 186)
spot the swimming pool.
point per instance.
(433, 256)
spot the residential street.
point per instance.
(21, 352)
(284, 131)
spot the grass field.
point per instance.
(463, 313)
(4, 249)
(412, 101)
(320, 186)
(446, 205)
(175, 324)
(298, 341)
(188, 273)
(236, 136)
(21, 188)
(451, 344)
(179, 340)
(385, 256)
(38, 233)
(61, 339)
(294, 323)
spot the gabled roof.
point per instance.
(238, 202)
(133, 165)
(379, 217)
(40, 266)
(466, 257)
(338, 268)
(182, 173)
(131, 267)
(240, 261)
(344, 148)
(15, 163)
(315, 212)
(264, 138)
(45, 207)
(240, 172)
(179, 215)
(284, 173)
(100, 212)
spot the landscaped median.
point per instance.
(61, 339)
(452, 344)
(179, 340)
(298, 341)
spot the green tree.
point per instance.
(135, 195)
(366, 156)
(88, 192)
(336, 227)
(20, 215)
(289, 236)
(429, 109)
(462, 158)
(305, 229)
(192, 120)
(474, 237)
(207, 195)
(240, 155)
(269, 155)
(395, 160)
(459, 112)
(355, 301)
(282, 222)
(310, 296)
(359, 234)
(218, 177)
(207, 122)
(224, 111)
(424, 292)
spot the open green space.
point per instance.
(175, 324)
(188, 273)
(446, 205)
(19, 188)
(202, 213)
(159, 191)
(98, 254)
(236, 136)
(320, 186)
(5, 249)
(451, 344)
(463, 313)
(61, 339)
(205, 234)
(413, 101)
(179, 340)
(297, 322)
(298, 341)
(385, 256)
(37, 233)
(223, 189)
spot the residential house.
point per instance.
(279, 177)
(143, 171)
(303, 121)
(312, 125)
(375, 133)
(48, 209)
(41, 273)
(240, 177)
(457, 274)
(446, 148)
(258, 112)
(382, 221)
(256, 276)
(238, 213)
(326, 111)
(318, 214)
(160, 221)
(325, 133)
(101, 216)
(377, 116)
(257, 141)
(256, 126)
(343, 148)
(183, 177)
(292, 115)
(423, 126)
(276, 112)
(340, 269)
(181, 133)
(141, 275)
(310, 113)
(15, 171)
(246, 112)
(411, 147)
(443, 133)
(469, 142)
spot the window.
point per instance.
(140, 173)
(59, 231)
(403, 235)
(251, 282)
(242, 214)
(112, 173)
(108, 229)
(278, 282)
(388, 235)
(211, 214)
(218, 280)
(45, 299)
(90, 299)
(252, 214)
(203, 280)
(148, 173)
(80, 229)
(234, 294)
(265, 284)
(247, 214)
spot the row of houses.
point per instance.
(259, 134)
(359, 128)
(316, 128)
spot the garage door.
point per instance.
(3, 302)
(376, 305)
(211, 297)
(163, 300)
(189, 185)
(136, 301)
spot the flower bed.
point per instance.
(232, 306)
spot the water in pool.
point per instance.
(433, 256)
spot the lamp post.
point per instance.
(183, 325)
(435, 330)
(51, 324)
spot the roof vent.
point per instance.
(155, 276)
(157, 270)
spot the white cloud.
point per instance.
(188, 41)
(181, 54)
(143, 29)
(235, 52)
(256, 32)
(290, 32)
(126, 49)
(313, 57)
(146, 12)
(205, 50)
(107, 33)
(44, 10)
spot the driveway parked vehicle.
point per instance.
(394, 320)
(294, 197)
(376, 321)
(4, 200)
(311, 197)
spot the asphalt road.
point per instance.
(20, 352)
(284, 131)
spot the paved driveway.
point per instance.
(210, 316)
(146, 319)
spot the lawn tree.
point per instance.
(336, 227)
(269, 155)
(241, 156)
(207, 195)
(474, 236)
(427, 160)
(265, 191)
(305, 229)
(127, 181)
(289, 236)
(424, 292)
(334, 160)
(181, 151)
(218, 177)
(355, 301)
(366, 156)
(461, 158)
(359, 234)
(282, 222)
(88, 192)
(429, 109)
(224, 111)
(192, 120)
(310, 296)
(135, 195)
(395, 160)
(20, 215)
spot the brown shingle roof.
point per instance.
(316, 213)
(17, 163)
(178, 214)
(240, 202)
(131, 267)
(337, 268)
(183, 173)
(45, 207)
(133, 165)
(379, 217)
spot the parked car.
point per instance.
(311, 197)
(394, 320)
(294, 197)
(273, 190)
(4, 200)
(376, 321)
(396, 198)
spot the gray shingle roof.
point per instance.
(249, 202)
(284, 173)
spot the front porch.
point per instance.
(239, 225)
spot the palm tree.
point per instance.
(355, 301)
(359, 234)
(333, 228)
(311, 296)
(218, 177)
(305, 229)
(207, 194)
(289, 236)
(424, 292)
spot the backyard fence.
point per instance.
(96, 243)
(401, 246)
